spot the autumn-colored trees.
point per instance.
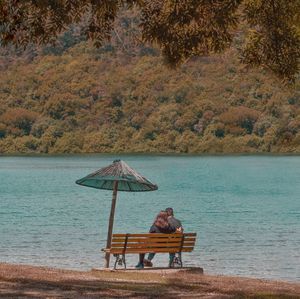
(17, 121)
(84, 99)
(239, 120)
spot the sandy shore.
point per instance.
(20, 281)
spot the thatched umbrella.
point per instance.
(117, 177)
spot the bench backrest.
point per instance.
(144, 243)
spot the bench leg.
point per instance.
(172, 260)
(177, 260)
(124, 260)
(120, 261)
(116, 261)
(180, 259)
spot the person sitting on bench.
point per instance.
(162, 226)
(173, 222)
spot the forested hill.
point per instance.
(121, 98)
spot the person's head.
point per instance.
(161, 219)
(170, 211)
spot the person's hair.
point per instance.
(161, 220)
(170, 211)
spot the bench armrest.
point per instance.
(105, 249)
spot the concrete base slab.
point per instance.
(164, 271)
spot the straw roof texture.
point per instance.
(128, 179)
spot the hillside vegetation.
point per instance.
(121, 98)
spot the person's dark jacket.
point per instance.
(174, 222)
(159, 230)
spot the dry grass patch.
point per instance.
(18, 281)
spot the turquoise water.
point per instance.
(246, 211)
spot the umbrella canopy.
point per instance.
(117, 177)
(128, 179)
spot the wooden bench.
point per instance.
(123, 244)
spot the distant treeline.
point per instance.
(74, 98)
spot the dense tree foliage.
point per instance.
(181, 28)
(121, 98)
(274, 40)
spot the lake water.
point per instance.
(245, 210)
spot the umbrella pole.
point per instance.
(111, 223)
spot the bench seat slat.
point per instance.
(190, 239)
(188, 244)
(157, 234)
(144, 241)
(140, 240)
(153, 236)
(149, 235)
(145, 250)
(145, 245)
(151, 244)
(190, 234)
(148, 240)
